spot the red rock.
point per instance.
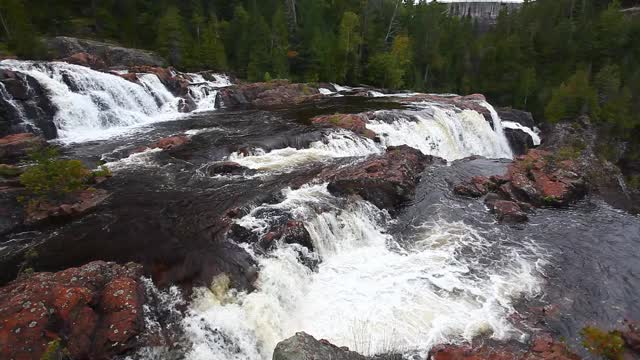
(542, 348)
(386, 180)
(133, 77)
(631, 336)
(477, 187)
(76, 306)
(354, 122)
(14, 147)
(85, 59)
(80, 204)
(509, 212)
(268, 94)
(171, 142)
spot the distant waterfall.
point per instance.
(94, 105)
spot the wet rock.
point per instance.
(470, 102)
(14, 148)
(93, 311)
(477, 187)
(386, 180)
(523, 118)
(509, 212)
(186, 105)
(86, 59)
(175, 82)
(303, 346)
(519, 141)
(171, 142)
(76, 205)
(133, 77)
(228, 168)
(541, 348)
(269, 94)
(62, 47)
(354, 122)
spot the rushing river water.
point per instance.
(441, 270)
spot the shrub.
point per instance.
(51, 177)
(609, 345)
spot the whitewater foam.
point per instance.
(335, 145)
(369, 293)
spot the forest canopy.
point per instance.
(556, 58)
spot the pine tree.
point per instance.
(172, 39)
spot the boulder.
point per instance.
(303, 346)
(175, 82)
(509, 212)
(477, 187)
(13, 148)
(354, 122)
(94, 311)
(387, 180)
(63, 47)
(228, 168)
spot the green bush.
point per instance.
(51, 177)
(609, 345)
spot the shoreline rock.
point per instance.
(267, 94)
(93, 311)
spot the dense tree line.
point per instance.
(557, 58)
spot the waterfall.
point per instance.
(445, 132)
(93, 105)
(335, 145)
(370, 292)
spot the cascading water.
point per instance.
(448, 133)
(371, 292)
(93, 105)
(335, 145)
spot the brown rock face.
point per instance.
(171, 142)
(85, 59)
(354, 122)
(509, 212)
(387, 180)
(541, 348)
(95, 311)
(15, 147)
(269, 94)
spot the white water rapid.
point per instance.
(94, 105)
(370, 292)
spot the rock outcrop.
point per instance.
(268, 94)
(77, 204)
(387, 180)
(541, 348)
(109, 55)
(14, 148)
(94, 311)
(537, 179)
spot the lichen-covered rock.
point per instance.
(94, 311)
(76, 205)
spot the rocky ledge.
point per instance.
(303, 346)
(94, 311)
(353, 122)
(267, 94)
(536, 179)
(387, 180)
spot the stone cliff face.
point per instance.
(484, 12)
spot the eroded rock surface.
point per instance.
(268, 94)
